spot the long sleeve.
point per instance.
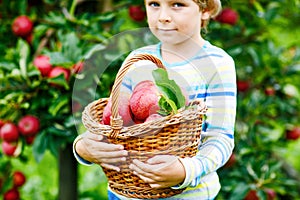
(218, 129)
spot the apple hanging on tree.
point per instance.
(56, 71)
(29, 125)
(251, 195)
(270, 91)
(9, 132)
(1, 123)
(293, 134)
(77, 67)
(231, 161)
(243, 85)
(12, 194)
(9, 148)
(19, 179)
(137, 13)
(42, 63)
(228, 16)
(22, 26)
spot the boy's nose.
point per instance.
(164, 16)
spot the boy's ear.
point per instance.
(205, 15)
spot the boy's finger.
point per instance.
(92, 136)
(108, 166)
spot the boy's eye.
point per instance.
(153, 4)
(176, 5)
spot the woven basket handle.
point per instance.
(116, 121)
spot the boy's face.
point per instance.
(174, 21)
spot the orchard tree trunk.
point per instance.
(67, 174)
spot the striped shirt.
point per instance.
(209, 76)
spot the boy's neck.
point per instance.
(172, 53)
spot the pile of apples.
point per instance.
(10, 133)
(139, 107)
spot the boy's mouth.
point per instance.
(165, 29)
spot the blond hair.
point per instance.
(211, 6)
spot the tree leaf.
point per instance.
(58, 105)
(59, 81)
(58, 58)
(40, 145)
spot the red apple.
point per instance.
(143, 84)
(137, 121)
(42, 62)
(9, 149)
(1, 123)
(29, 125)
(9, 132)
(29, 38)
(137, 13)
(271, 194)
(228, 16)
(293, 134)
(143, 101)
(153, 117)
(78, 67)
(29, 139)
(1, 183)
(231, 161)
(19, 179)
(12, 194)
(76, 106)
(22, 26)
(56, 71)
(243, 85)
(270, 91)
(251, 195)
(123, 109)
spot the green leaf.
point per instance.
(95, 48)
(40, 146)
(71, 49)
(24, 52)
(54, 146)
(59, 81)
(9, 66)
(166, 105)
(57, 58)
(59, 104)
(171, 92)
(240, 190)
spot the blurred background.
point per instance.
(57, 56)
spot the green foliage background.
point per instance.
(264, 44)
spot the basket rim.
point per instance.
(183, 115)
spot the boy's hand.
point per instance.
(161, 171)
(93, 149)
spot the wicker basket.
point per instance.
(177, 134)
